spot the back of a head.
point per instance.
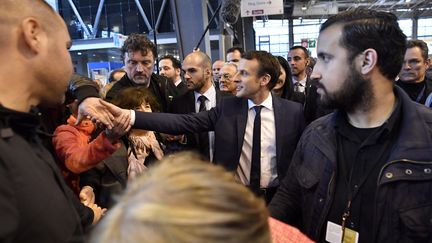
(183, 199)
(364, 29)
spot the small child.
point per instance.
(75, 147)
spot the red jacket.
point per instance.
(73, 147)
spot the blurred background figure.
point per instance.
(412, 77)
(284, 85)
(234, 54)
(227, 75)
(139, 150)
(170, 67)
(217, 65)
(184, 199)
(114, 76)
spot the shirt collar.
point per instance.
(267, 103)
(343, 128)
(177, 82)
(210, 94)
(302, 82)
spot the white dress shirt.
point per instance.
(177, 82)
(210, 94)
(301, 84)
(268, 146)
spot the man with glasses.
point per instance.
(226, 83)
(139, 55)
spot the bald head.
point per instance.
(34, 43)
(200, 57)
(12, 12)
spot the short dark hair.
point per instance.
(175, 62)
(366, 28)
(138, 42)
(235, 48)
(133, 97)
(114, 72)
(420, 44)
(268, 64)
(305, 51)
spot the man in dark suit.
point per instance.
(197, 70)
(258, 154)
(170, 67)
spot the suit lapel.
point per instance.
(279, 115)
(191, 102)
(241, 123)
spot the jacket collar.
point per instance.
(413, 142)
(24, 123)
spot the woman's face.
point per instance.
(145, 107)
(281, 81)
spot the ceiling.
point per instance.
(314, 8)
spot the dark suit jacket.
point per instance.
(177, 91)
(185, 104)
(228, 119)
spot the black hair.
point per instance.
(268, 64)
(138, 42)
(175, 62)
(366, 28)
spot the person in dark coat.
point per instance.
(36, 205)
(233, 122)
(364, 172)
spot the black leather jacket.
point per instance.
(403, 206)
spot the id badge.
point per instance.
(334, 234)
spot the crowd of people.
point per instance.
(252, 148)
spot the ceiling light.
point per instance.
(304, 7)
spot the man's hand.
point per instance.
(98, 113)
(98, 212)
(87, 195)
(121, 127)
(121, 115)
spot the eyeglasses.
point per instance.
(227, 76)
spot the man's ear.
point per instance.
(428, 62)
(32, 34)
(369, 59)
(208, 71)
(265, 79)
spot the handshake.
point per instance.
(116, 121)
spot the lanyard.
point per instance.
(352, 194)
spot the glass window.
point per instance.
(424, 28)
(406, 26)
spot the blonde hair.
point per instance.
(184, 199)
